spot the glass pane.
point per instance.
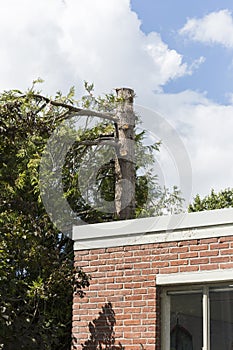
(186, 322)
(221, 320)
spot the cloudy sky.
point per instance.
(176, 55)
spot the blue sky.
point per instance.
(176, 54)
(215, 75)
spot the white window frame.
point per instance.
(191, 283)
(204, 290)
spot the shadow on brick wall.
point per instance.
(102, 331)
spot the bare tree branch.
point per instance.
(100, 141)
(77, 111)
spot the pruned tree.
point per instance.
(37, 279)
(125, 165)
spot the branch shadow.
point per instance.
(102, 336)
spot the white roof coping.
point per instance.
(154, 229)
(195, 277)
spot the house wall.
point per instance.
(126, 277)
(124, 280)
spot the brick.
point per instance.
(147, 322)
(111, 286)
(98, 274)
(105, 293)
(226, 239)
(159, 251)
(91, 269)
(140, 329)
(132, 322)
(114, 249)
(120, 304)
(168, 244)
(132, 272)
(179, 262)
(199, 247)
(157, 257)
(97, 251)
(98, 300)
(219, 259)
(132, 247)
(168, 270)
(117, 255)
(209, 253)
(95, 286)
(226, 266)
(188, 255)
(140, 253)
(168, 257)
(187, 243)
(146, 246)
(179, 249)
(189, 268)
(133, 285)
(158, 264)
(113, 273)
(140, 291)
(142, 266)
(209, 267)
(149, 273)
(148, 296)
(116, 298)
(227, 251)
(107, 268)
(82, 252)
(91, 257)
(133, 297)
(124, 266)
(132, 310)
(105, 280)
(224, 245)
(199, 261)
(139, 303)
(133, 259)
(208, 240)
(150, 283)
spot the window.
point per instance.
(197, 318)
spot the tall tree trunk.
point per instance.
(125, 160)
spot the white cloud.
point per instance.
(66, 42)
(116, 52)
(196, 64)
(229, 97)
(206, 130)
(214, 28)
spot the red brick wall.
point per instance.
(126, 278)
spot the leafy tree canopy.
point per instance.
(220, 200)
(37, 278)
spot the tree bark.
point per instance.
(125, 158)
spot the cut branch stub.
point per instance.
(125, 158)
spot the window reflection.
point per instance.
(221, 320)
(188, 329)
(186, 322)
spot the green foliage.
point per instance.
(37, 278)
(220, 200)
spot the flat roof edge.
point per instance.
(185, 226)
